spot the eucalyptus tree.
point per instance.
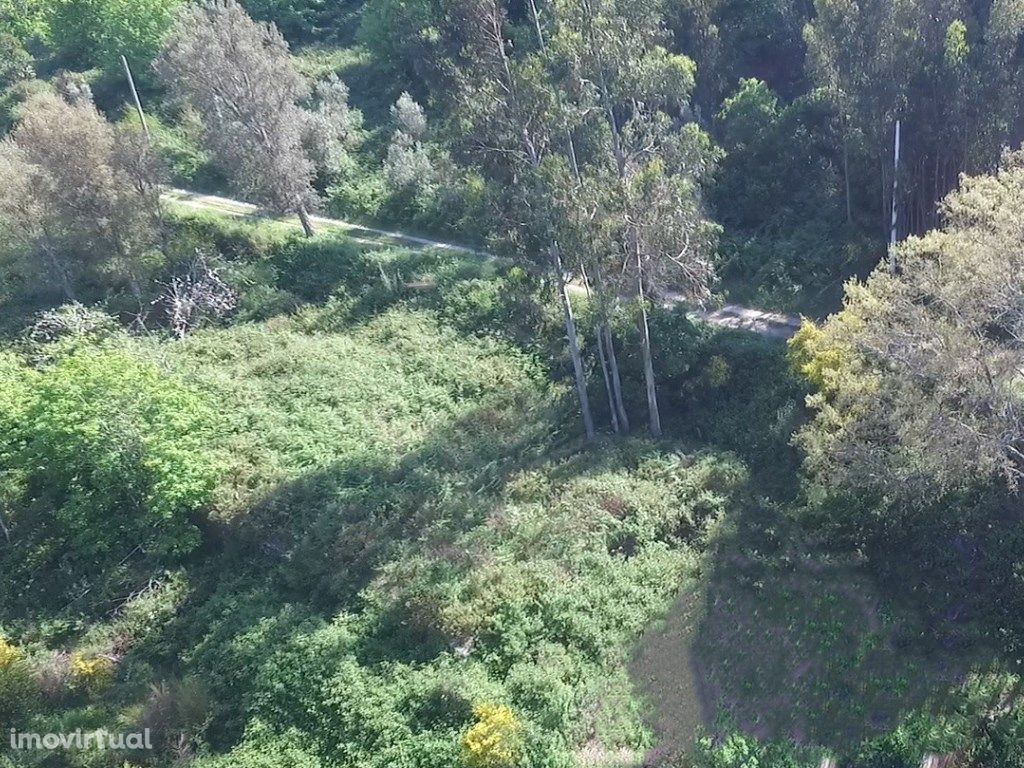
(644, 155)
(950, 70)
(512, 125)
(576, 204)
(258, 121)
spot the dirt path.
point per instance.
(755, 320)
(730, 316)
(359, 233)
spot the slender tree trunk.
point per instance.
(613, 364)
(846, 177)
(307, 223)
(136, 289)
(649, 380)
(602, 358)
(605, 374)
(895, 199)
(574, 345)
(645, 337)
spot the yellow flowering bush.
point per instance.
(816, 356)
(495, 740)
(17, 691)
(91, 673)
(9, 654)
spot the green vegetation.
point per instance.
(292, 492)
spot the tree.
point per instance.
(510, 122)
(25, 20)
(16, 63)
(946, 68)
(919, 376)
(238, 75)
(78, 196)
(408, 162)
(299, 19)
(645, 159)
(96, 33)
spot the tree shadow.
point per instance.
(306, 551)
(786, 639)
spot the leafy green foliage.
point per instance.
(95, 33)
(780, 197)
(925, 416)
(387, 548)
(107, 457)
(25, 20)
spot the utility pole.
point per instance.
(895, 209)
(135, 96)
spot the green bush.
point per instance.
(18, 692)
(180, 148)
(94, 33)
(111, 458)
(737, 750)
(313, 268)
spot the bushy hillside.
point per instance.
(280, 490)
(398, 561)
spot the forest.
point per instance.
(511, 383)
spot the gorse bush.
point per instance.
(17, 688)
(9, 654)
(91, 674)
(493, 741)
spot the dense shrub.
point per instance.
(737, 750)
(180, 149)
(94, 33)
(106, 457)
(17, 689)
(780, 197)
(91, 674)
(493, 741)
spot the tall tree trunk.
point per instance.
(574, 344)
(645, 338)
(307, 223)
(885, 196)
(893, 267)
(136, 289)
(606, 351)
(846, 177)
(613, 364)
(602, 358)
(613, 413)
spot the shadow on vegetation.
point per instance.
(785, 639)
(306, 551)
